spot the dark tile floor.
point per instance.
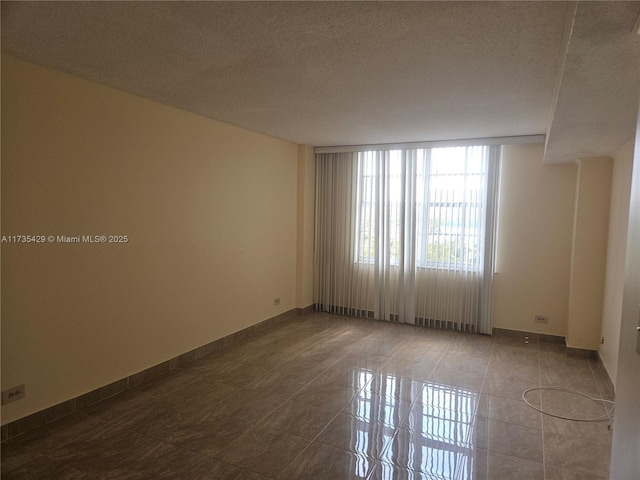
(332, 398)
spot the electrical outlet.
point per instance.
(12, 394)
(602, 340)
(276, 301)
(541, 319)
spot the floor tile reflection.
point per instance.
(485, 465)
(320, 462)
(437, 451)
(362, 437)
(328, 397)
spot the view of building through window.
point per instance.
(439, 191)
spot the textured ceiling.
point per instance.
(599, 84)
(345, 73)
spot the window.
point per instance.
(408, 235)
(448, 195)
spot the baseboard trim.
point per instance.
(540, 337)
(305, 310)
(605, 383)
(51, 414)
(582, 353)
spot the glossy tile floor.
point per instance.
(328, 397)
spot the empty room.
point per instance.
(320, 240)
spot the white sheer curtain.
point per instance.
(408, 235)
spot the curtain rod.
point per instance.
(433, 144)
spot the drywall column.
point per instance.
(305, 226)
(616, 250)
(589, 252)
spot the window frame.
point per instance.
(423, 262)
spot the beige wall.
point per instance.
(534, 241)
(616, 249)
(209, 209)
(306, 225)
(589, 252)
